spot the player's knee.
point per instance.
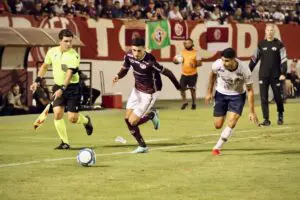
(218, 125)
(133, 122)
(72, 119)
(58, 116)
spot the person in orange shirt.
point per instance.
(190, 60)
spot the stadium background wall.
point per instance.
(105, 46)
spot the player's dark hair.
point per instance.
(228, 53)
(138, 42)
(65, 33)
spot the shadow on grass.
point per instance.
(284, 152)
(150, 145)
(209, 150)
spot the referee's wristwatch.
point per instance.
(63, 88)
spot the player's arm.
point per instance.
(198, 60)
(168, 73)
(283, 64)
(211, 83)
(42, 71)
(255, 58)
(252, 114)
(165, 71)
(123, 71)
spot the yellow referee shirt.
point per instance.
(189, 57)
(61, 62)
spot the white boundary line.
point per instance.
(123, 153)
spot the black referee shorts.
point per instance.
(188, 82)
(69, 99)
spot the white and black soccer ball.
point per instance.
(86, 157)
(179, 58)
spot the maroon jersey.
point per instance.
(146, 72)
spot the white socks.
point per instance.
(225, 135)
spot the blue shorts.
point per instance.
(231, 103)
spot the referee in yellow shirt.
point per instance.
(65, 64)
(189, 74)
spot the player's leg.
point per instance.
(264, 98)
(232, 119)
(143, 109)
(234, 107)
(192, 82)
(276, 87)
(220, 110)
(73, 104)
(132, 120)
(60, 126)
(183, 84)
(59, 122)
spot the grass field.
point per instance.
(257, 163)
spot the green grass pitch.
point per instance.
(256, 163)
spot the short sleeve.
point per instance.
(10, 98)
(48, 60)
(247, 75)
(126, 63)
(74, 61)
(156, 66)
(215, 67)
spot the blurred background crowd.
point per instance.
(223, 11)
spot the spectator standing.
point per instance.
(175, 14)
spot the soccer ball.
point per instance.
(179, 58)
(86, 157)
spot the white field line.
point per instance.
(241, 131)
(122, 153)
(162, 139)
(159, 139)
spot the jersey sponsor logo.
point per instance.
(143, 66)
(64, 67)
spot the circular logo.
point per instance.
(178, 29)
(217, 34)
(135, 34)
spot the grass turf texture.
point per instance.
(257, 163)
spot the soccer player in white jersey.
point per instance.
(232, 80)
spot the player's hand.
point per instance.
(115, 79)
(33, 87)
(193, 65)
(175, 61)
(57, 94)
(25, 108)
(281, 77)
(208, 98)
(253, 118)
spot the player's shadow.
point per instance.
(150, 145)
(276, 152)
(79, 148)
(209, 150)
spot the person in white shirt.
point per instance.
(232, 80)
(175, 13)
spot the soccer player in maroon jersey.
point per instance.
(147, 87)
